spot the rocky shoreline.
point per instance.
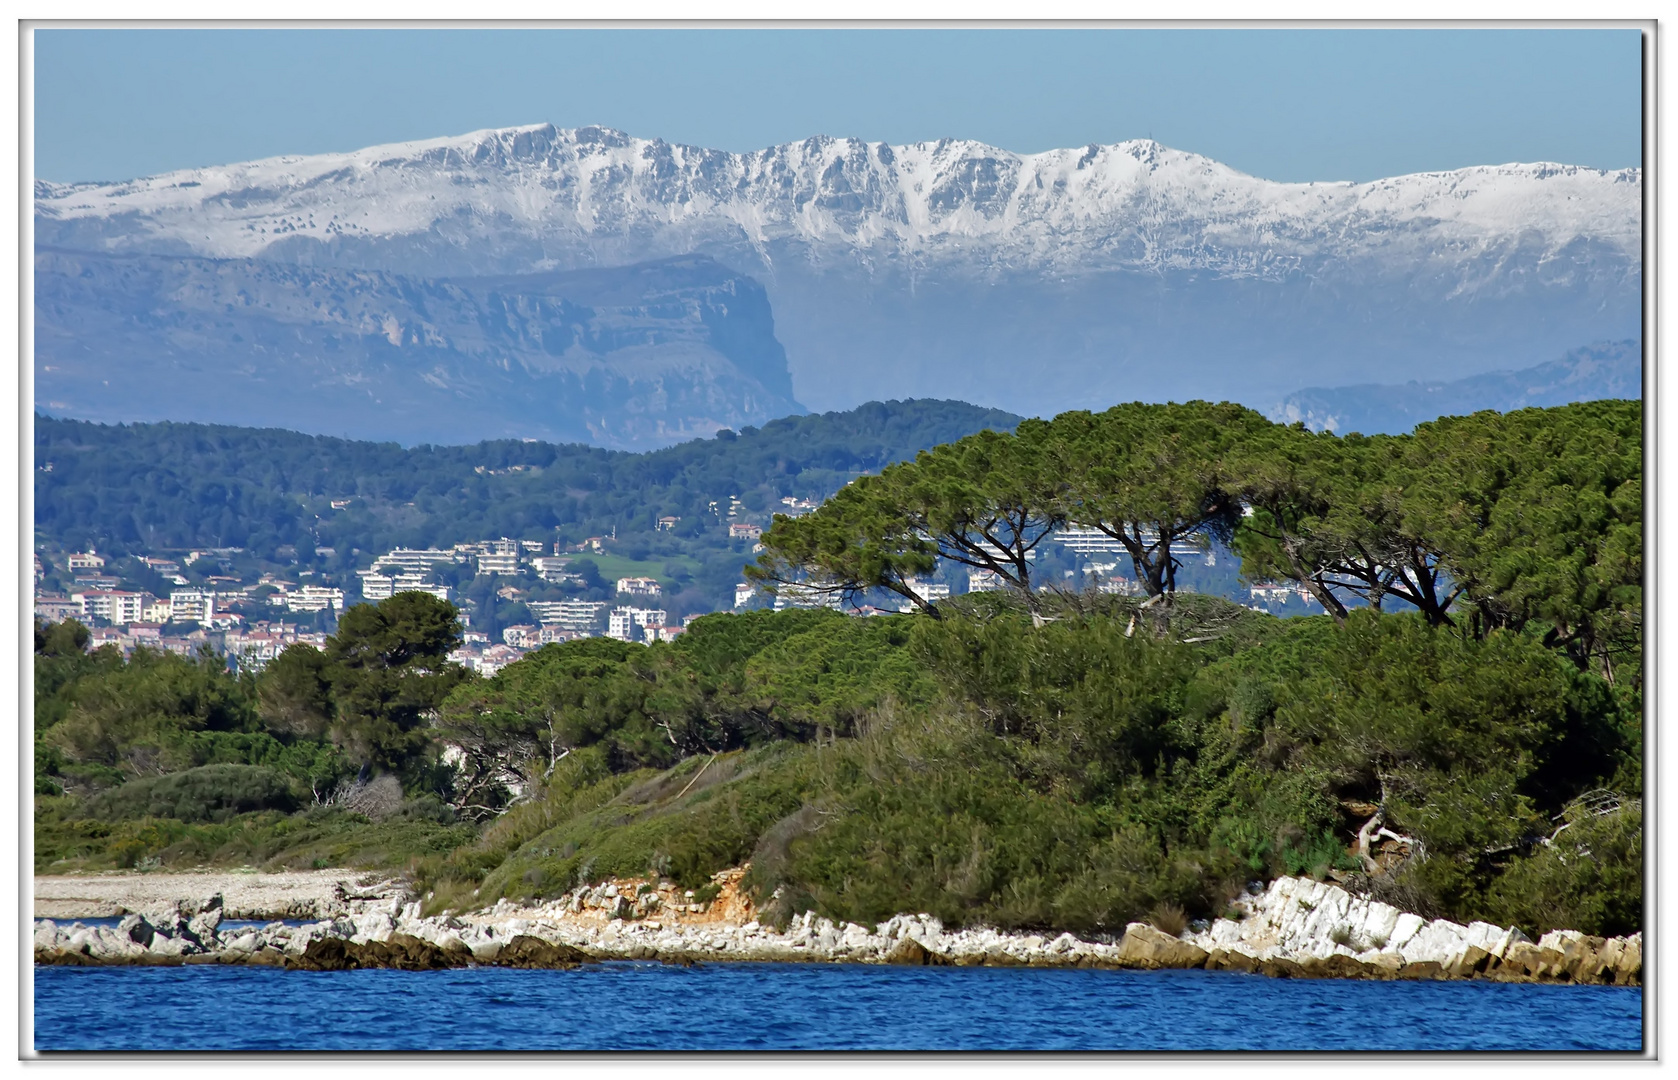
(1294, 928)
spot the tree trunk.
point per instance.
(1326, 598)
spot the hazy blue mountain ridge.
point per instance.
(632, 357)
(1603, 370)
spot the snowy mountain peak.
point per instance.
(1070, 278)
(571, 196)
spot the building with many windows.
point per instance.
(58, 608)
(315, 598)
(192, 605)
(579, 616)
(498, 562)
(412, 560)
(376, 587)
(1094, 541)
(113, 605)
(634, 624)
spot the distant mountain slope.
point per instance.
(1603, 370)
(638, 356)
(1067, 279)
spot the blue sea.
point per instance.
(649, 1006)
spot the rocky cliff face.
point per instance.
(634, 357)
(1071, 278)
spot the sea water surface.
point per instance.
(650, 1006)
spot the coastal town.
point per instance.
(218, 599)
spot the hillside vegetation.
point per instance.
(145, 488)
(1023, 758)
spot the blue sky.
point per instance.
(1280, 103)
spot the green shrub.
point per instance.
(209, 793)
(1590, 878)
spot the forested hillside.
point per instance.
(145, 488)
(1023, 758)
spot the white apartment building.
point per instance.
(497, 562)
(743, 594)
(1095, 542)
(638, 586)
(113, 605)
(85, 560)
(1002, 555)
(983, 581)
(632, 623)
(412, 560)
(577, 615)
(805, 596)
(315, 598)
(929, 591)
(192, 605)
(552, 569)
(376, 587)
(253, 649)
(157, 611)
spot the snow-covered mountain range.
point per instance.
(1070, 278)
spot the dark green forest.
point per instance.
(149, 488)
(1033, 758)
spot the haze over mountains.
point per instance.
(1068, 279)
(633, 358)
(1604, 370)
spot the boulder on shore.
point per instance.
(1144, 946)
